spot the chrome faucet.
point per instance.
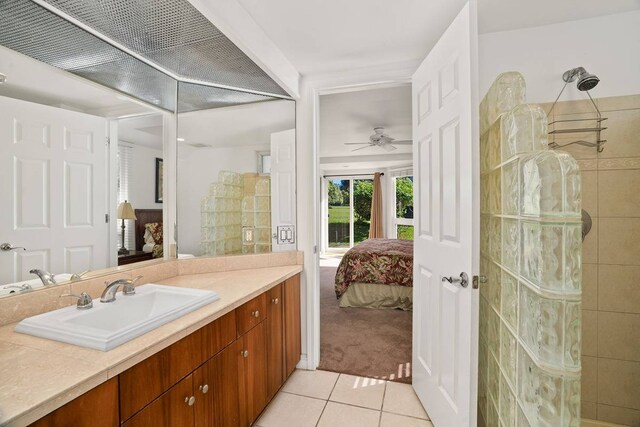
(45, 276)
(128, 288)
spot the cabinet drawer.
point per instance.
(251, 313)
(147, 380)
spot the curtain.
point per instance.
(376, 229)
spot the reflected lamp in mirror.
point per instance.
(125, 211)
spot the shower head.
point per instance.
(586, 80)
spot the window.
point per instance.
(125, 162)
(403, 206)
(349, 211)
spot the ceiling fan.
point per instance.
(380, 139)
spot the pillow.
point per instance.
(155, 229)
(148, 238)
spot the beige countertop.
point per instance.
(39, 375)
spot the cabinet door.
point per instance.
(251, 313)
(292, 338)
(96, 408)
(147, 380)
(275, 340)
(255, 369)
(172, 409)
(217, 389)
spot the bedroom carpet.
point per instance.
(362, 341)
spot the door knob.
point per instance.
(463, 279)
(204, 388)
(255, 314)
(275, 301)
(245, 353)
(8, 247)
(190, 400)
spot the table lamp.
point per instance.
(125, 211)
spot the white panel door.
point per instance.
(53, 164)
(283, 190)
(445, 132)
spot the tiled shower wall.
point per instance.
(611, 261)
(529, 360)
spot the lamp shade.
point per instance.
(125, 211)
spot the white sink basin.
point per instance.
(108, 325)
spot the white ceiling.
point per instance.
(351, 117)
(144, 130)
(35, 81)
(329, 35)
(241, 125)
(320, 36)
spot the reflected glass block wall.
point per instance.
(530, 330)
(236, 215)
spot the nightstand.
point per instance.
(134, 256)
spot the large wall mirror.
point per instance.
(236, 172)
(93, 120)
(79, 161)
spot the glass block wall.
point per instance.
(236, 215)
(530, 331)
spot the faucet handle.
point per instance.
(78, 276)
(130, 289)
(84, 300)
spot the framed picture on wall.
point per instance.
(159, 184)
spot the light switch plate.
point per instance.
(286, 234)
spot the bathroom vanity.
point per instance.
(222, 374)
(217, 366)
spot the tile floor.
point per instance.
(321, 398)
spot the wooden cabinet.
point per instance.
(147, 380)
(222, 375)
(292, 331)
(173, 409)
(255, 371)
(217, 390)
(275, 340)
(96, 408)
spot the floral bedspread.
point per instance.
(385, 261)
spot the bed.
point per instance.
(148, 231)
(377, 273)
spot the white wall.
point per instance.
(197, 169)
(607, 46)
(142, 181)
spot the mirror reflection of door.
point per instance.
(53, 167)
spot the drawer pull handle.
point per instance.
(204, 388)
(190, 400)
(255, 314)
(275, 301)
(244, 353)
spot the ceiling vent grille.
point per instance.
(162, 41)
